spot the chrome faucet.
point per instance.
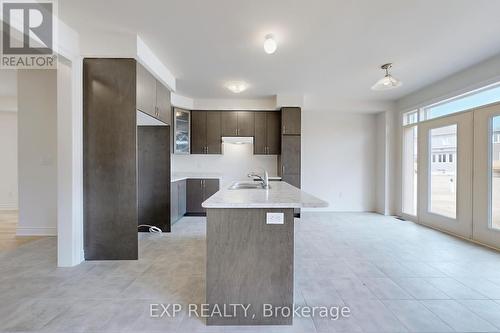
(264, 180)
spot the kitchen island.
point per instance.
(250, 253)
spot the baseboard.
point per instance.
(22, 231)
(195, 214)
(9, 206)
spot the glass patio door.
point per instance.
(486, 226)
(445, 150)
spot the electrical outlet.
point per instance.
(275, 218)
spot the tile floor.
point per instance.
(8, 224)
(395, 276)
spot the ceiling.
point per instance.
(325, 47)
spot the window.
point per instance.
(410, 171)
(464, 102)
(433, 158)
(410, 117)
(450, 158)
(443, 179)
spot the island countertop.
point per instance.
(280, 195)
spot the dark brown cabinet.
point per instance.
(153, 180)
(153, 97)
(197, 191)
(177, 200)
(109, 159)
(206, 132)
(267, 133)
(290, 155)
(146, 91)
(229, 120)
(289, 161)
(163, 105)
(237, 123)
(246, 125)
(290, 120)
(214, 137)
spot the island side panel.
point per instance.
(249, 262)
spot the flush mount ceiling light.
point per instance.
(270, 44)
(237, 87)
(388, 81)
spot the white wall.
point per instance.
(381, 170)
(339, 158)
(8, 166)
(235, 163)
(37, 156)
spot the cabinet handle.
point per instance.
(237, 131)
(284, 129)
(282, 169)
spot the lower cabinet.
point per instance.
(177, 200)
(197, 191)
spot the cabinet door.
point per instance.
(163, 103)
(260, 138)
(246, 123)
(273, 121)
(229, 121)
(153, 179)
(194, 196)
(293, 180)
(198, 132)
(211, 186)
(182, 198)
(290, 155)
(174, 201)
(146, 91)
(214, 141)
(290, 118)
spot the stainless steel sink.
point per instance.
(246, 186)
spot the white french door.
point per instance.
(486, 226)
(445, 151)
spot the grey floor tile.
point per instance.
(455, 289)
(374, 316)
(458, 316)
(341, 258)
(385, 288)
(352, 289)
(416, 317)
(420, 288)
(488, 310)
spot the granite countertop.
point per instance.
(280, 195)
(177, 176)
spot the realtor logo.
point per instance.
(28, 35)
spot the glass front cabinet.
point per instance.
(182, 133)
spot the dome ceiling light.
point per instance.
(237, 86)
(388, 81)
(270, 44)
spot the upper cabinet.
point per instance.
(246, 123)
(182, 128)
(153, 97)
(163, 106)
(237, 123)
(146, 91)
(267, 133)
(206, 132)
(290, 120)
